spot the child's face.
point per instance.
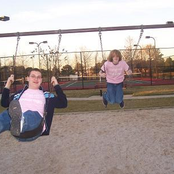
(34, 80)
(115, 59)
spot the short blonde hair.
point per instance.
(113, 53)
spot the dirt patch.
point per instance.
(110, 142)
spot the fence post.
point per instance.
(82, 69)
(150, 68)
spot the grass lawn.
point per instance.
(135, 91)
(81, 106)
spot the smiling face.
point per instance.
(115, 56)
(115, 59)
(34, 79)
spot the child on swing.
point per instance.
(114, 70)
(30, 111)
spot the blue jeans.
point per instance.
(114, 93)
(31, 120)
(4, 121)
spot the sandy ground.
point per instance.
(110, 142)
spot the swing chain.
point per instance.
(17, 44)
(59, 40)
(57, 53)
(141, 33)
(101, 45)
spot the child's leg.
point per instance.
(4, 121)
(32, 120)
(119, 93)
(110, 94)
(31, 127)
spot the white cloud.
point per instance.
(80, 9)
(31, 16)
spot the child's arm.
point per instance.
(129, 72)
(5, 99)
(54, 81)
(102, 74)
(10, 80)
(60, 100)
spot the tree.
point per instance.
(95, 69)
(128, 52)
(67, 70)
(77, 68)
(86, 59)
(169, 61)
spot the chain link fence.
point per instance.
(79, 70)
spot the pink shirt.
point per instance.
(115, 73)
(34, 100)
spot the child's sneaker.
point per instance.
(105, 102)
(122, 104)
(15, 113)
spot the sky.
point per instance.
(42, 15)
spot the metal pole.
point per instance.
(136, 45)
(82, 70)
(155, 58)
(48, 74)
(38, 49)
(39, 54)
(82, 30)
(150, 68)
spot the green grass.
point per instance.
(88, 106)
(81, 106)
(151, 90)
(135, 91)
(82, 93)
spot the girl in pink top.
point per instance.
(114, 70)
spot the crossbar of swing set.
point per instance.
(83, 30)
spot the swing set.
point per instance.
(83, 30)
